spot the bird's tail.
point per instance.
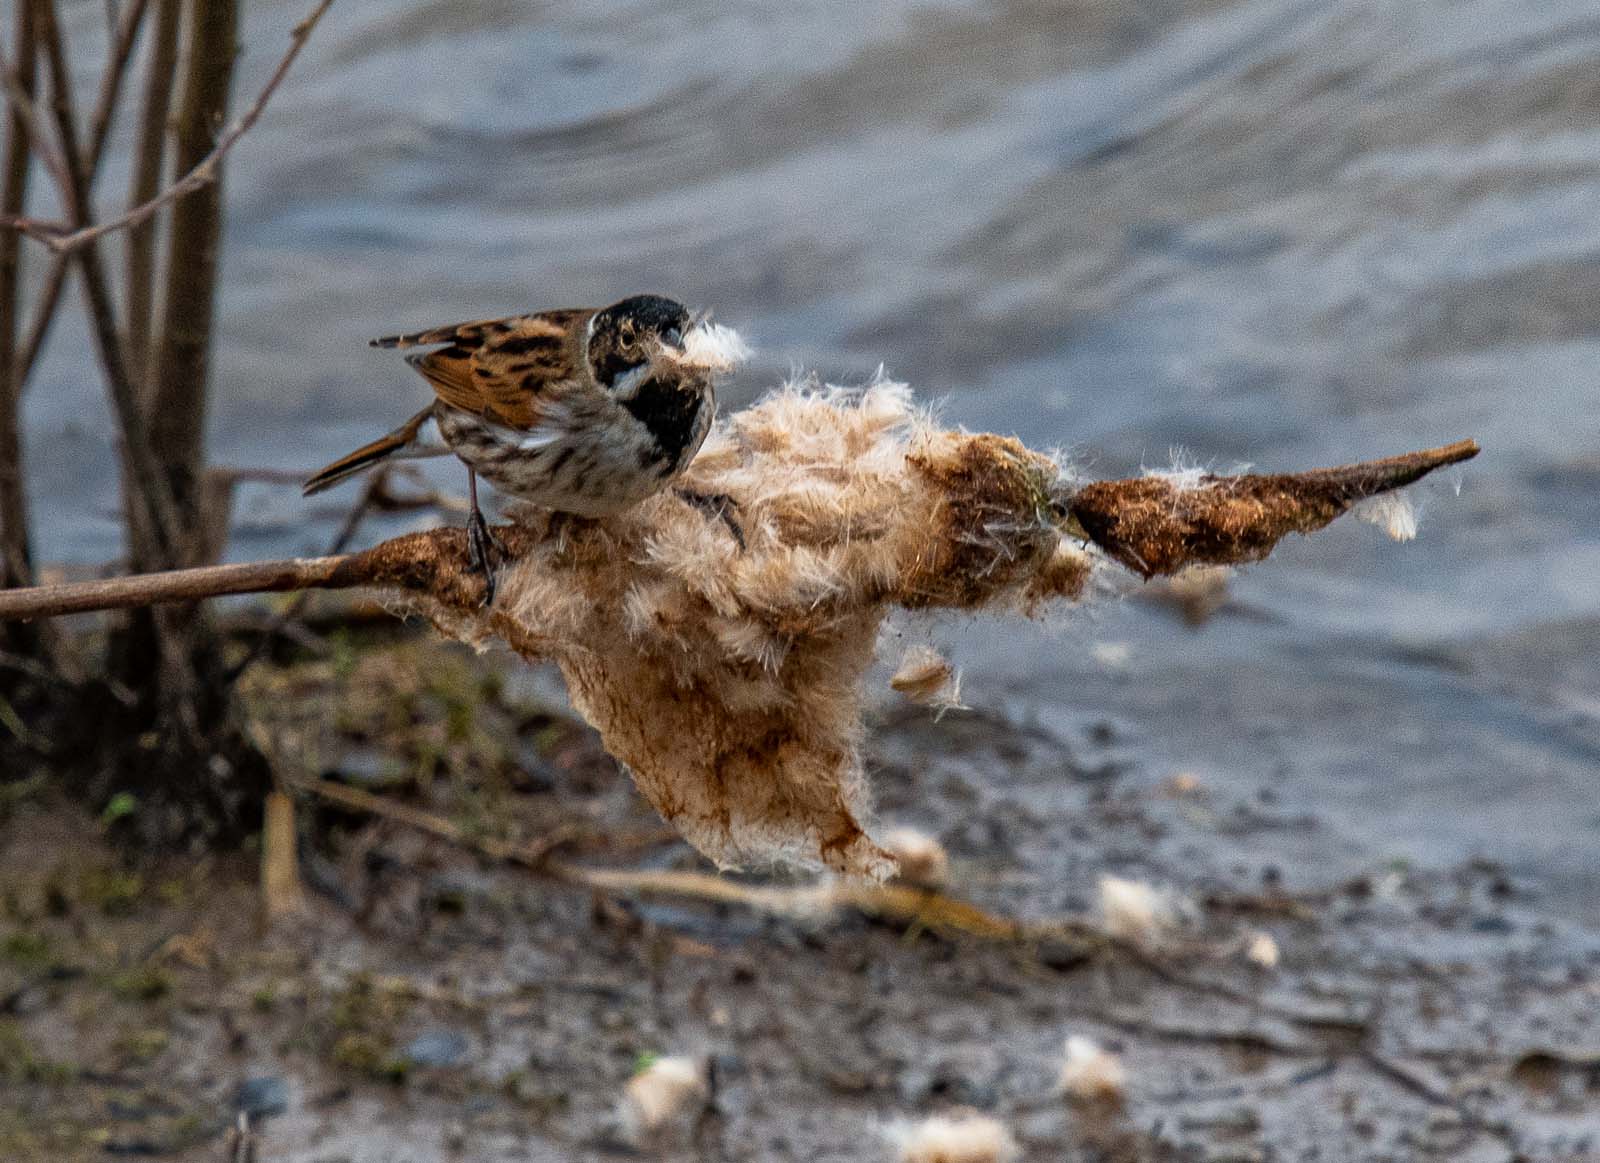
(403, 441)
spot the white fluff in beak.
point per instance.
(714, 347)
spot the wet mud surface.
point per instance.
(430, 1005)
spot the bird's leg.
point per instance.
(719, 505)
(482, 544)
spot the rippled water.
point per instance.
(1279, 232)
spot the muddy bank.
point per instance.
(429, 1005)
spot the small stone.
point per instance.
(263, 1097)
(437, 1048)
(1184, 783)
(370, 768)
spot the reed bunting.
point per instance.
(582, 411)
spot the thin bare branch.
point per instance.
(375, 484)
(206, 170)
(148, 157)
(533, 855)
(105, 106)
(179, 585)
(16, 536)
(179, 368)
(152, 494)
(434, 562)
(44, 312)
(15, 552)
(26, 114)
(889, 903)
(40, 229)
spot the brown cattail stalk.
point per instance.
(726, 673)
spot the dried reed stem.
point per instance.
(16, 555)
(203, 173)
(435, 561)
(148, 156)
(152, 497)
(44, 312)
(727, 674)
(1156, 525)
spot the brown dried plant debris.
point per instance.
(729, 679)
(726, 671)
(927, 678)
(1158, 525)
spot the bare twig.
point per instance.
(26, 114)
(1209, 1036)
(282, 894)
(173, 396)
(149, 153)
(534, 855)
(375, 483)
(206, 170)
(433, 562)
(1415, 1084)
(126, 33)
(181, 585)
(16, 565)
(1407, 1079)
(891, 902)
(44, 314)
(242, 1141)
(24, 665)
(152, 498)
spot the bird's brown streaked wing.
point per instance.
(506, 369)
(468, 333)
(472, 333)
(449, 372)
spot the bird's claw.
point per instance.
(484, 552)
(719, 505)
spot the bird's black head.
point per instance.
(629, 334)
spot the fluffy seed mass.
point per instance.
(1090, 1073)
(661, 1094)
(959, 1137)
(720, 650)
(728, 678)
(1137, 912)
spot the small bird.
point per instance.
(583, 411)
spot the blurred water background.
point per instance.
(1276, 232)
